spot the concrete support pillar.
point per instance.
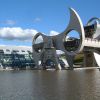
(37, 63)
(57, 64)
(70, 60)
(50, 54)
(89, 60)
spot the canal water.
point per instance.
(50, 85)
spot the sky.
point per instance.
(20, 20)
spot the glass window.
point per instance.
(15, 51)
(23, 51)
(1, 51)
(7, 50)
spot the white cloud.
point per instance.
(52, 33)
(17, 33)
(37, 19)
(39, 40)
(10, 22)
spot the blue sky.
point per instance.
(40, 15)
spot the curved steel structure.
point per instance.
(46, 49)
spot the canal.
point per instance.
(83, 84)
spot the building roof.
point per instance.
(7, 49)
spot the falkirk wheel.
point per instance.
(44, 47)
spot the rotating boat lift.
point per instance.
(45, 51)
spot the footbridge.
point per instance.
(90, 42)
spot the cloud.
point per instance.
(39, 40)
(37, 19)
(17, 33)
(20, 34)
(8, 22)
(52, 33)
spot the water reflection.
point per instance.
(50, 85)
